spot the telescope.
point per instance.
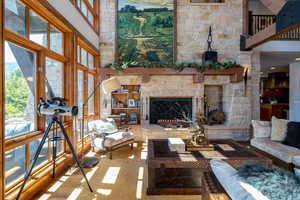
(56, 105)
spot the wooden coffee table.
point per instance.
(179, 173)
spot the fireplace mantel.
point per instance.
(236, 74)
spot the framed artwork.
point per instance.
(146, 31)
(131, 103)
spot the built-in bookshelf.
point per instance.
(126, 105)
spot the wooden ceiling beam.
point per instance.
(274, 5)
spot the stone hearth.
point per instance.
(235, 104)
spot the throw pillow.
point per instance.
(293, 135)
(261, 129)
(279, 127)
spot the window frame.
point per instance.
(41, 53)
(86, 72)
(92, 9)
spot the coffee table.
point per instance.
(179, 173)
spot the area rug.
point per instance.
(275, 183)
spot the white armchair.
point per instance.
(105, 136)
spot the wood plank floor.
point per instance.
(122, 178)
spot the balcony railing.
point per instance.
(260, 22)
(291, 35)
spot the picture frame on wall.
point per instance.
(131, 103)
(146, 31)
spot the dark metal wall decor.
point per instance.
(209, 56)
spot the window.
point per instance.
(90, 91)
(88, 10)
(90, 61)
(80, 89)
(43, 157)
(15, 164)
(85, 58)
(55, 76)
(20, 105)
(56, 40)
(38, 29)
(15, 17)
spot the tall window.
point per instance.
(15, 17)
(20, 109)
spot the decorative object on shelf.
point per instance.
(122, 118)
(216, 117)
(131, 103)
(120, 104)
(199, 141)
(210, 56)
(132, 118)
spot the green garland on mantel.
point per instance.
(176, 66)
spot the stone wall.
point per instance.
(193, 21)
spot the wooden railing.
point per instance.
(291, 35)
(260, 22)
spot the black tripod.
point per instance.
(54, 121)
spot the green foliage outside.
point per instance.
(145, 35)
(17, 93)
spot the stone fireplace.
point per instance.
(170, 109)
(158, 91)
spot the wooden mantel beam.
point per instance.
(274, 5)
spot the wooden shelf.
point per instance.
(123, 97)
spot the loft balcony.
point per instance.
(272, 26)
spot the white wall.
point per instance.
(295, 92)
(68, 10)
(258, 8)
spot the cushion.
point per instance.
(293, 135)
(234, 186)
(112, 139)
(261, 129)
(103, 126)
(279, 128)
(280, 151)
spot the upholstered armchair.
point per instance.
(105, 136)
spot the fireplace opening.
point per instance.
(170, 109)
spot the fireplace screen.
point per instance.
(170, 109)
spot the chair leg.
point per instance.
(110, 155)
(131, 146)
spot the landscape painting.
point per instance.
(145, 31)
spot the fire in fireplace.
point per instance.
(170, 109)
